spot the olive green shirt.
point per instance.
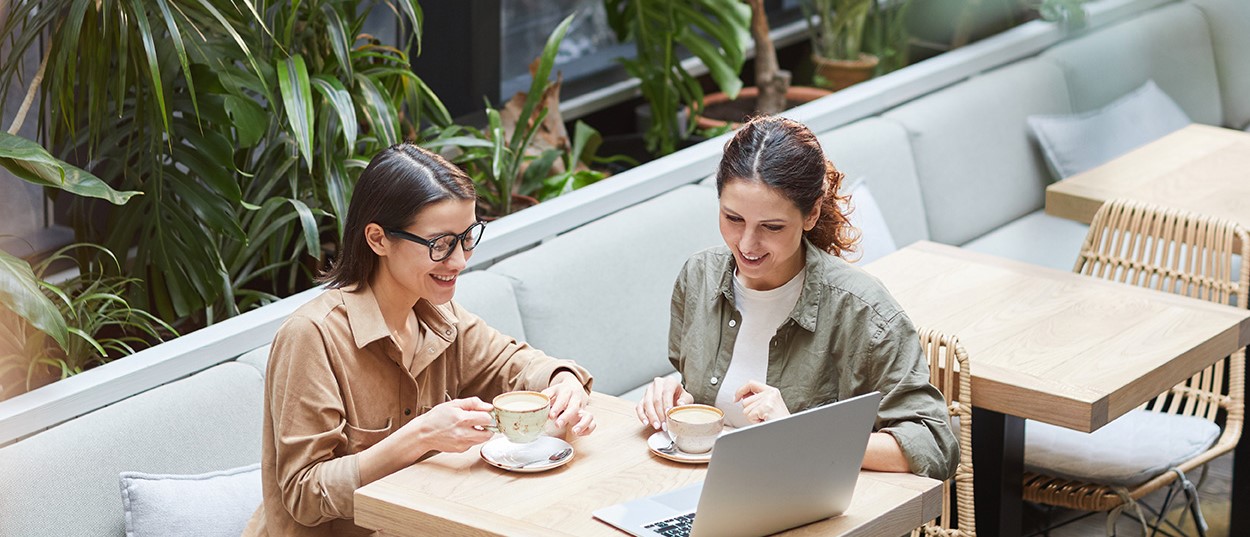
(336, 384)
(846, 336)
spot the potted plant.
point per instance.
(772, 92)
(525, 154)
(837, 37)
(715, 31)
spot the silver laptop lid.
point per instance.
(785, 473)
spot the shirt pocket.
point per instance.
(359, 439)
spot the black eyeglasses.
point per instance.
(441, 246)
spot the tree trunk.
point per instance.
(772, 81)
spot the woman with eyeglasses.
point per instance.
(776, 322)
(385, 368)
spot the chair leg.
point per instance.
(1195, 508)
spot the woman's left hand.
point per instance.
(568, 403)
(761, 402)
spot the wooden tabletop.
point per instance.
(1200, 168)
(1055, 346)
(459, 494)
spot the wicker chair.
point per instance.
(1171, 251)
(956, 386)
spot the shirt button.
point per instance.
(431, 350)
(407, 411)
(714, 380)
(733, 323)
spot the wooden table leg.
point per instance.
(998, 468)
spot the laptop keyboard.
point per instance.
(678, 526)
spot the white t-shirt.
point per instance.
(762, 314)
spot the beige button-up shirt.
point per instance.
(336, 385)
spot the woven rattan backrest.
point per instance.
(1176, 252)
(949, 372)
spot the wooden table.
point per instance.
(459, 494)
(1053, 346)
(1199, 168)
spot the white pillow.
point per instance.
(204, 505)
(875, 239)
(1076, 143)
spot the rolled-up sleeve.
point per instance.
(309, 427)
(912, 410)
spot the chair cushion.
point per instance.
(1126, 452)
(875, 238)
(258, 358)
(1079, 142)
(215, 504)
(1037, 238)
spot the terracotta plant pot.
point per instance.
(840, 74)
(719, 110)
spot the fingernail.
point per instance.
(656, 425)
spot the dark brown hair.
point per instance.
(786, 156)
(398, 183)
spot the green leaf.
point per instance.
(379, 111)
(539, 82)
(154, 69)
(297, 101)
(30, 162)
(312, 238)
(415, 17)
(341, 100)
(339, 43)
(19, 292)
(248, 118)
(175, 36)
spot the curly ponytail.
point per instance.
(785, 155)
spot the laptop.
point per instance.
(764, 478)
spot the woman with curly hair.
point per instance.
(776, 321)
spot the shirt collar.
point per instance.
(815, 265)
(365, 317)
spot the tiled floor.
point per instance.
(1214, 492)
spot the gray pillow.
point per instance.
(1078, 142)
(204, 505)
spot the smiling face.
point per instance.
(405, 267)
(764, 230)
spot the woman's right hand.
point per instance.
(454, 426)
(662, 394)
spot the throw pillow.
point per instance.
(875, 239)
(1076, 143)
(205, 505)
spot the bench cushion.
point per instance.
(1170, 45)
(1038, 238)
(877, 151)
(600, 294)
(490, 297)
(978, 167)
(1229, 23)
(64, 481)
(1074, 143)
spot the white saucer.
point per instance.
(502, 453)
(661, 439)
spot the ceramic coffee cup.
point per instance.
(520, 416)
(694, 428)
